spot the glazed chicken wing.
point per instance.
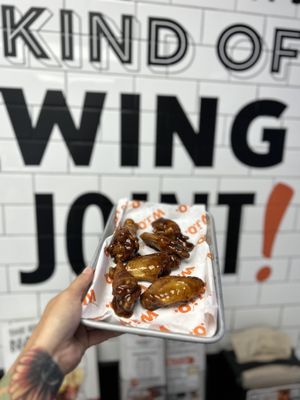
(169, 228)
(124, 244)
(172, 290)
(151, 266)
(126, 291)
(164, 243)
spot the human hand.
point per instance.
(59, 331)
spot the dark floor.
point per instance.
(220, 381)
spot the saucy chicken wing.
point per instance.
(152, 266)
(172, 290)
(164, 243)
(124, 244)
(126, 291)
(169, 228)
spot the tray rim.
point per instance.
(211, 234)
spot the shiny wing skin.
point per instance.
(126, 291)
(123, 282)
(151, 266)
(124, 244)
(166, 226)
(171, 229)
(111, 272)
(164, 243)
(131, 226)
(172, 290)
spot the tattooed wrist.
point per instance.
(35, 376)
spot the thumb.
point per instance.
(82, 282)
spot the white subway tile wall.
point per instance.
(18, 305)
(30, 195)
(294, 269)
(264, 316)
(280, 293)
(241, 295)
(291, 316)
(3, 280)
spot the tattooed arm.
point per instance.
(55, 347)
(35, 376)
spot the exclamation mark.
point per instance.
(277, 204)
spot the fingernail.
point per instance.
(87, 270)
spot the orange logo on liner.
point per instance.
(89, 298)
(148, 220)
(136, 203)
(199, 330)
(184, 308)
(193, 229)
(182, 208)
(201, 239)
(148, 316)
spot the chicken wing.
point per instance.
(124, 244)
(172, 290)
(151, 266)
(164, 243)
(169, 228)
(125, 290)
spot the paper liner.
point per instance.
(198, 317)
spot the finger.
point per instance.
(97, 336)
(82, 282)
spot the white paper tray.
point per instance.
(211, 240)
